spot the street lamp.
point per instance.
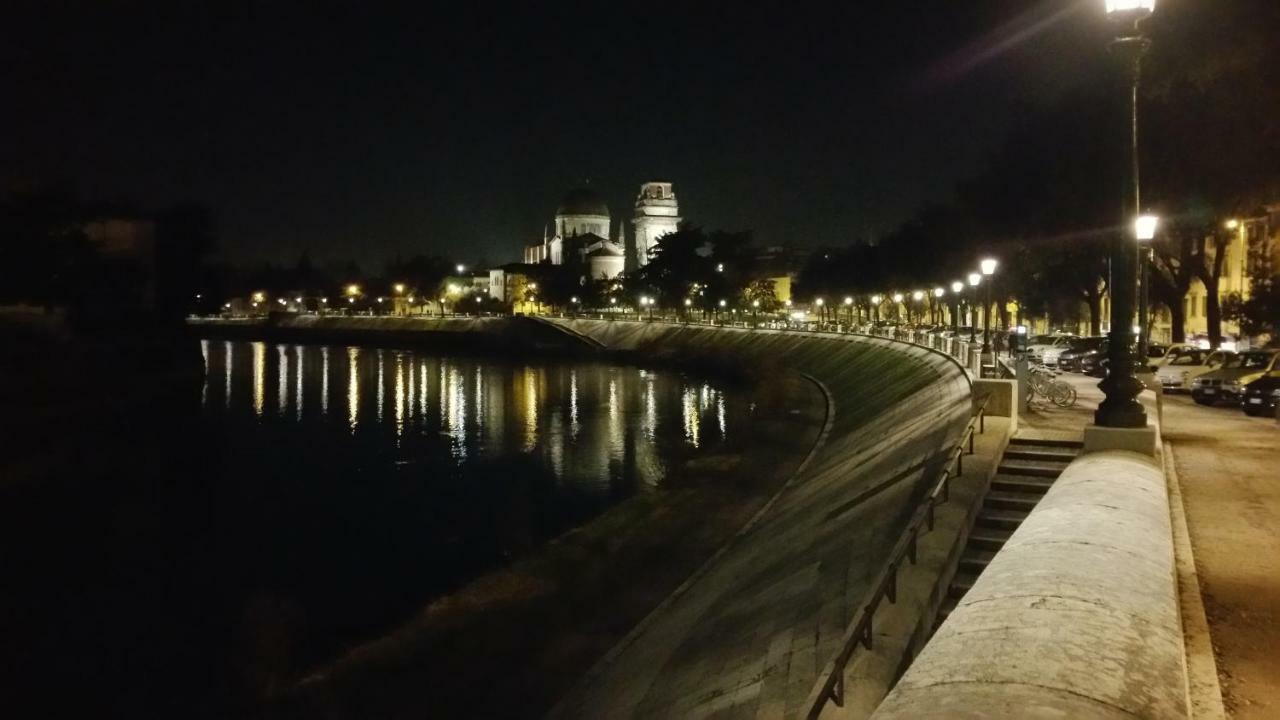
(975, 279)
(938, 293)
(1120, 408)
(988, 268)
(1144, 229)
(460, 268)
(875, 308)
(957, 287)
(399, 288)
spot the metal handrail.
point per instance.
(859, 633)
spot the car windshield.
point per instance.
(1043, 340)
(1187, 357)
(1253, 361)
(1092, 343)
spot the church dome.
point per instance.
(583, 201)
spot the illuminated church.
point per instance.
(582, 227)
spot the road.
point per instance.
(1229, 468)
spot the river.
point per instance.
(359, 483)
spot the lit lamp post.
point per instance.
(875, 308)
(687, 304)
(1120, 408)
(975, 279)
(916, 297)
(988, 269)
(938, 294)
(848, 303)
(1144, 229)
(822, 307)
(957, 287)
(720, 305)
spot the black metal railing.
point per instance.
(885, 586)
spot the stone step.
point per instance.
(989, 539)
(1046, 442)
(974, 561)
(961, 584)
(1031, 467)
(944, 611)
(1001, 500)
(1028, 484)
(1040, 453)
(1000, 519)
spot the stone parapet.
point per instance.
(1076, 617)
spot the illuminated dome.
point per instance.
(583, 201)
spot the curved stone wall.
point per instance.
(1076, 617)
(760, 620)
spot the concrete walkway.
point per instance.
(1228, 466)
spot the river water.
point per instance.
(356, 484)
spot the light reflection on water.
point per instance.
(591, 422)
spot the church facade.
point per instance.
(580, 233)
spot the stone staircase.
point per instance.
(1028, 468)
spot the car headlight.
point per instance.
(1275, 393)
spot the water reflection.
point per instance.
(353, 388)
(259, 376)
(603, 427)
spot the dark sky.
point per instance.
(361, 130)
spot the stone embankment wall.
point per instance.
(1076, 617)
(757, 624)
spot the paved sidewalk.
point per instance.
(1229, 467)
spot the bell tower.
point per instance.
(657, 214)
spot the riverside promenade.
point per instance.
(1225, 466)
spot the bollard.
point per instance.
(1020, 368)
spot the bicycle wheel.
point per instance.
(1063, 395)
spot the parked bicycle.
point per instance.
(1043, 382)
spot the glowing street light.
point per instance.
(974, 280)
(988, 268)
(259, 297)
(399, 288)
(1144, 228)
(461, 268)
(353, 290)
(1232, 224)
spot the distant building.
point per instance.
(582, 225)
(657, 214)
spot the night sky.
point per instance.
(362, 130)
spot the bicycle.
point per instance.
(1044, 382)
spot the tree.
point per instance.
(1174, 264)
(1260, 314)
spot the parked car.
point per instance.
(1230, 379)
(1262, 395)
(1186, 362)
(1045, 349)
(1094, 362)
(1070, 358)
